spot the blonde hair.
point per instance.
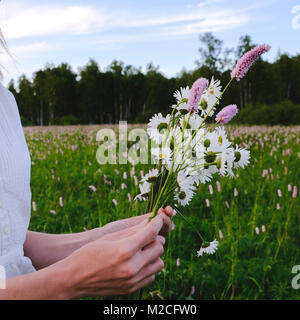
(4, 46)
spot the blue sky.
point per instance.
(165, 32)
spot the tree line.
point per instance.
(270, 93)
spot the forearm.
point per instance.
(53, 282)
(45, 249)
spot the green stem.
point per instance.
(185, 219)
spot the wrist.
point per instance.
(95, 234)
(63, 280)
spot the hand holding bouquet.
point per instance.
(189, 150)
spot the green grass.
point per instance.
(247, 265)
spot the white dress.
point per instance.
(15, 193)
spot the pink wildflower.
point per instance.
(33, 206)
(257, 230)
(93, 188)
(115, 202)
(197, 89)
(192, 291)
(221, 234)
(53, 211)
(278, 206)
(211, 190)
(247, 60)
(207, 203)
(227, 113)
(235, 192)
(218, 186)
(61, 201)
(160, 296)
(132, 172)
(295, 191)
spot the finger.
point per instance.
(167, 224)
(148, 270)
(149, 254)
(124, 223)
(160, 239)
(131, 222)
(148, 232)
(169, 211)
(125, 233)
(143, 283)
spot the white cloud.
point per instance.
(217, 21)
(207, 3)
(37, 47)
(19, 20)
(24, 25)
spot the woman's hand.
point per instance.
(131, 222)
(120, 262)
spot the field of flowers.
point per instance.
(256, 217)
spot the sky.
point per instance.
(164, 32)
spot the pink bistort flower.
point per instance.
(227, 113)
(247, 60)
(295, 191)
(197, 89)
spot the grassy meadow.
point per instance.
(254, 216)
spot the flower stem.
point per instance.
(185, 219)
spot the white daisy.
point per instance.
(151, 176)
(202, 176)
(184, 181)
(217, 140)
(182, 96)
(211, 249)
(242, 157)
(191, 122)
(145, 189)
(184, 196)
(209, 97)
(164, 154)
(229, 161)
(225, 162)
(173, 139)
(157, 124)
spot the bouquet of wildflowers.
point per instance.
(188, 150)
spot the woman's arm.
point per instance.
(117, 263)
(45, 249)
(53, 282)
